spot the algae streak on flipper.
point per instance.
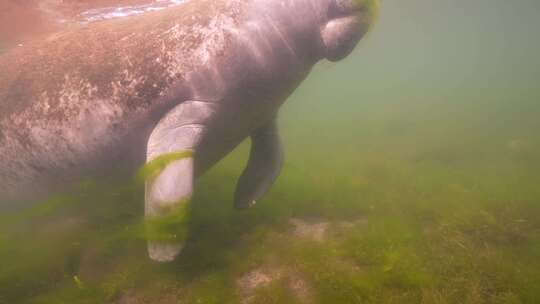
(151, 170)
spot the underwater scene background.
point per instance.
(412, 175)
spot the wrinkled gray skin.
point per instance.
(201, 77)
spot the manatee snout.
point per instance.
(347, 22)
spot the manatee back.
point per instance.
(60, 95)
(130, 61)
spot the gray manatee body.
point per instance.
(202, 76)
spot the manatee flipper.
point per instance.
(171, 184)
(164, 195)
(263, 167)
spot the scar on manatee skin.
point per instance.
(152, 169)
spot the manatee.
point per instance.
(200, 77)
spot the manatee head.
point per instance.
(344, 23)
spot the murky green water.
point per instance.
(412, 175)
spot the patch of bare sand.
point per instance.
(360, 221)
(262, 277)
(314, 230)
(318, 230)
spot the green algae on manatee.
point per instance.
(369, 10)
(173, 225)
(151, 170)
